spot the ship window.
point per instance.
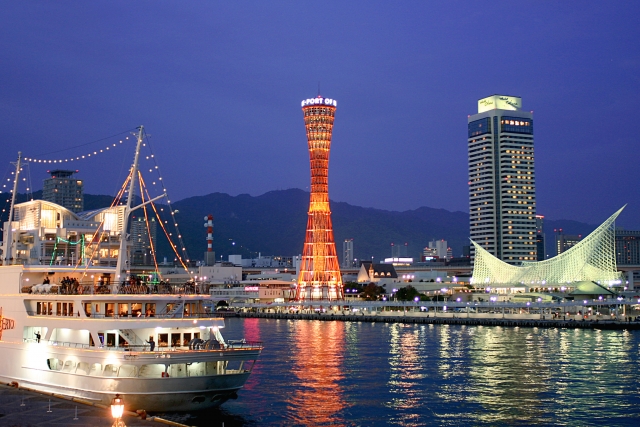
(123, 310)
(96, 369)
(136, 310)
(196, 335)
(71, 309)
(50, 308)
(87, 309)
(178, 370)
(111, 339)
(83, 368)
(69, 366)
(127, 371)
(64, 309)
(185, 339)
(97, 310)
(196, 369)
(163, 340)
(54, 364)
(150, 310)
(38, 308)
(110, 371)
(59, 308)
(175, 340)
(152, 371)
(109, 308)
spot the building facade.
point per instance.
(347, 253)
(502, 194)
(540, 241)
(64, 190)
(627, 247)
(564, 242)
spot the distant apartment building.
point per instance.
(399, 251)
(64, 190)
(627, 247)
(502, 186)
(143, 240)
(565, 242)
(347, 253)
(540, 241)
(440, 247)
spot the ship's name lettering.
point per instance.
(8, 324)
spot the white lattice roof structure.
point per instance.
(591, 260)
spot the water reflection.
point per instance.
(370, 374)
(317, 356)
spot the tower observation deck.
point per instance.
(319, 276)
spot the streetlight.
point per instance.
(117, 408)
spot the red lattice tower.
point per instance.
(319, 276)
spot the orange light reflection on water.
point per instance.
(318, 365)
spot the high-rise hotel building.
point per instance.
(502, 185)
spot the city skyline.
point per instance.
(223, 83)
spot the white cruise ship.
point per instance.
(87, 329)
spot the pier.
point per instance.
(22, 407)
(525, 323)
(586, 314)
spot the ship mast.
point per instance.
(123, 255)
(8, 242)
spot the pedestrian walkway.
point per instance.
(23, 408)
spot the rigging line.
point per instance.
(166, 232)
(146, 218)
(82, 145)
(114, 203)
(164, 188)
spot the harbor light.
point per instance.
(117, 409)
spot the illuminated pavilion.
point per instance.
(591, 260)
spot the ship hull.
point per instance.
(150, 394)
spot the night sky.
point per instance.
(218, 86)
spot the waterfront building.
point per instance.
(375, 273)
(565, 242)
(49, 234)
(502, 189)
(593, 259)
(540, 241)
(627, 247)
(319, 273)
(64, 190)
(347, 253)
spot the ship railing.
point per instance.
(190, 316)
(231, 344)
(121, 289)
(58, 343)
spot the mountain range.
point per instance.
(274, 224)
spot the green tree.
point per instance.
(408, 293)
(372, 292)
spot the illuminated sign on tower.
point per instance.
(319, 276)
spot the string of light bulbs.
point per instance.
(77, 158)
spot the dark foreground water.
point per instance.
(314, 373)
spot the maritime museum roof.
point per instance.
(591, 260)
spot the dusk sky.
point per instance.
(218, 85)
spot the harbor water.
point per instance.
(334, 373)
